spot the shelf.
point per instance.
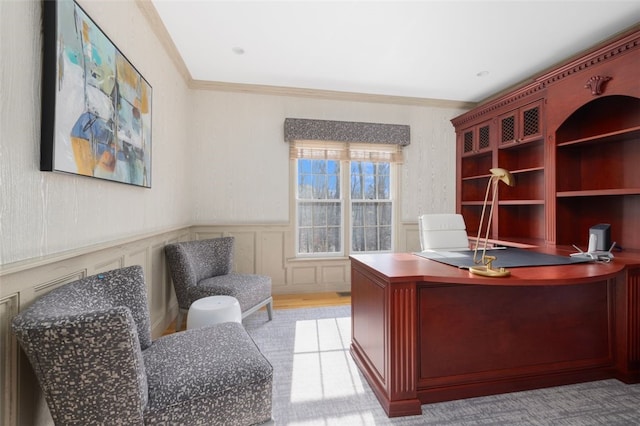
(513, 172)
(525, 156)
(529, 170)
(520, 202)
(525, 243)
(518, 144)
(476, 177)
(598, 192)
(620, 135)
(505, 203)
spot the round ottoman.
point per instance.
(213, 310)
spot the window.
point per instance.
(319, 206)
(344, 198)
(371, 206)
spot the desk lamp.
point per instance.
(485, 268)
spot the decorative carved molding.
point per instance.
(623, 45)
(595, 83)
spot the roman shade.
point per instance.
(345, 140)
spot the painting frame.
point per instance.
(96, 105)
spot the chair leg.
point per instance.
(270, 311)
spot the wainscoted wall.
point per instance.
(263, 249)
(269, 249)
(22, 402)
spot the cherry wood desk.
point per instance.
(426, 332)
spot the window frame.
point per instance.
(346, 232)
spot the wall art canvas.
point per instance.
(96, 107)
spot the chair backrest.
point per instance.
(191, 261)
(84, 341)
(443, 232)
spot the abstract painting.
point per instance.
(96, 107)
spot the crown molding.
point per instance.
(154, 20)
(326, 94)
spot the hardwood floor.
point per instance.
(293, 301)
(310, 300)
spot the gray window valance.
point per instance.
(345, 131)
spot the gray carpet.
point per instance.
(316, 382)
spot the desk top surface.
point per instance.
(403, 267)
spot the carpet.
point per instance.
(316, 382)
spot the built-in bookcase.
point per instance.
(571, 139)
(598, 171)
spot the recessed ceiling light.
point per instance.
(482, 74)
(238, 50)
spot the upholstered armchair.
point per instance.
(204, 268)
(90, 345)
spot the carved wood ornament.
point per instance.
(595, 84)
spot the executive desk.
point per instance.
(426, 332)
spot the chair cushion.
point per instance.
(249, 289)
(219, 363)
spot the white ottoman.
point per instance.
(213, 310)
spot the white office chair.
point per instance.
(444, 232)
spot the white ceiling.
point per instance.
(424, 49)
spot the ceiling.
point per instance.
(451, 50)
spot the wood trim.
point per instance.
(628, 41)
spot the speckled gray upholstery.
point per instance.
(89, 343)
(203, 268)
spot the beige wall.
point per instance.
(241, 162)
(220, 167)
(218, 157)
(48, 213)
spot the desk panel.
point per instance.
(471, 333)
(426, 332)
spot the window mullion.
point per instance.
(345, 198)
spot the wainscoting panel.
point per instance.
(260, 248)
(245, 251)
(272, 262)
(335, 274)
(108, 265)
(8, 359)
(303, 275)
(409, 240)
(269, 249)
(158, 300)
(46, 287)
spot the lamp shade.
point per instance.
(504, 175)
